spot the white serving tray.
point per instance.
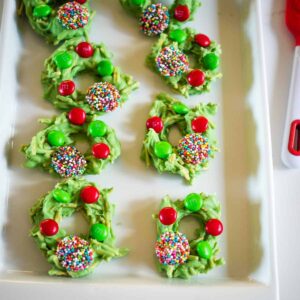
(240, 175)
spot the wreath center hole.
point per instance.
(75, 224)
(84, 80)
(174, 136)
(190, 226)
(81, 143)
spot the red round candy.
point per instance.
(181, 13)
(196, 78)
(89, 194)
(81, 1)
(66, 88)
(202, 40)
(77, 116)
(214, 227)
(155, 123)
(48, 227)
(167, 216)
(200, 124)
(85, 50)
(101, 151)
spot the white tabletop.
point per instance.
(279, 46)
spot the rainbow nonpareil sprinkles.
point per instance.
(103, 96)
(172, 248)
(171, 62)
(67, 161)
(154, 19)
(194, 148)
(74, 253)
(73, 15)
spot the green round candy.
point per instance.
(163, 149)
(42, 11)
(193, 202)
(56, 138)
(61, 196)
(63, 60)
(137, 2)
(178, 35)
(204, 250)
(99, 232)
(210, 61)
(180, 108)
(97, 128)
(105, 68)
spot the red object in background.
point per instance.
(81, 1)
(292, 18)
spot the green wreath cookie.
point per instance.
(179, 257)
(59, 20)
(156, 18)
(74, 255)
(197, 145)
(111, 87)
(186, 61)
(53, 148)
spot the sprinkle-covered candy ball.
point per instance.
(171, 62)
(103, 96)
(74, 253)
(73, 15)
(154, 19)
(194, 149)
(67, 161)
(172, 248)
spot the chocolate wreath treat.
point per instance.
(198, 143)
(75, 255)
(57, 21)
(186, 61)
(110, 90)
(179, 257)
(54, 150)
(156, 18)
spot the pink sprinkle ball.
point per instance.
(73, 15)
(172, 248)
(194, 149)
(74, 253)
(171, 62)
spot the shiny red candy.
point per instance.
(199, 124)
(85, 50)
(81, 1)
(66, 88)
(48, 227)
(77, 116)
(181, 13)
(196, 78)
(155, 123)
(202, 40)
(101, 151)
(89, 194)
(214, 227)
(167, 216)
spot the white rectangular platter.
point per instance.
(240, 175)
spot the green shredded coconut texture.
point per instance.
(163, 108)
(195, 265)
(137, 10)
(52, 76)
(49, 27)
(38, 153)
(195, 55)
(100, 212)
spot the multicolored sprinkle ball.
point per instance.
(67, 161)
(154, 19)
(172, 248)
(74, 253)
(194, 148)
(73, 15)
(171, 62)
(103, 96)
